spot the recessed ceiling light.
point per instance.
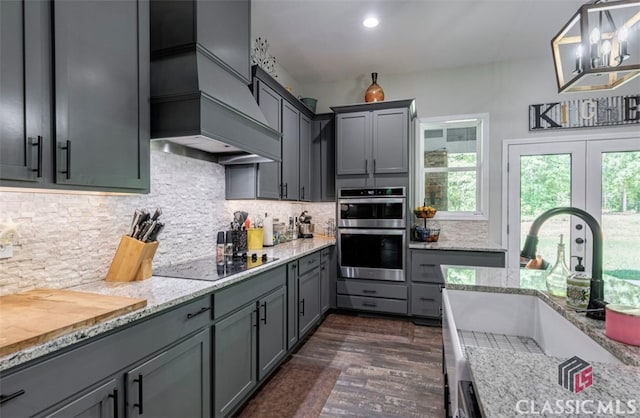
(370, 22)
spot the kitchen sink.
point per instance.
(505, 314)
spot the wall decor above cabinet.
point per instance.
(75, 112)
(199, 76)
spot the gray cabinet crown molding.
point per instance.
(394, 104)
(263, 76)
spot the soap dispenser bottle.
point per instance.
(557, 277)
(578, 287)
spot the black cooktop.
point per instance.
(212, 268)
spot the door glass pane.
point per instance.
(545, 183)
(621, 214)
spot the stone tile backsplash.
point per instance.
(68, 239)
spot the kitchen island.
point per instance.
(509, 381)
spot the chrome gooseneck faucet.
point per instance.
(596, 305)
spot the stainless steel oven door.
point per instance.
(372, 212)
(377, 254)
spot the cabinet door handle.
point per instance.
(302, 193)
(281, 190)
(369, 304)
(428, 299)
(286, 190)
(139, 405)
(67, 148)
(114, 396)
(374, 165)
(366, 166)
(200, 312)
(7, 398)
(302, 307)
(38, 169)
(369, 291)
(264, 318)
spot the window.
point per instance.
(452, 165)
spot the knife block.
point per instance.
(132, 260)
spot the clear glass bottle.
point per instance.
(557, 277)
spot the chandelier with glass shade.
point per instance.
(599, 48)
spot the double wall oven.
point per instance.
(372, 233)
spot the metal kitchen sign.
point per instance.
(585, 113)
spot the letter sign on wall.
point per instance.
(585, 113)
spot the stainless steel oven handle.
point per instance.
(379, 200)
(362, 231)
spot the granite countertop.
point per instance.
(457, 244)
(505, 381)
(161, 293)
(512, 384)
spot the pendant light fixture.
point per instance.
(599, 48)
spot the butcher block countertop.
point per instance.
(35, 316)
(160, 293)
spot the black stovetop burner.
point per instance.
(212, 269)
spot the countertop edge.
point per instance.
(89, 333)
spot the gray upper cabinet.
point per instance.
(272, 331)
(353, 143)
(290, 151)
(270, 103)
(390, 141)
(24, 81)
(305, 158)
(323, 158)
(101, 93)
(176, 383)
(99, 110)
(372, 143)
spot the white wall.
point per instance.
(68, 239)
(504, 90)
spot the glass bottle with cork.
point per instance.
(557, 277)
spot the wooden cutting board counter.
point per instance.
(40, 315)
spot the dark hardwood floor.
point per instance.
(358, 366)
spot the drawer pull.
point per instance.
(369, 291)
(428, 299)
(114, 396)
(369, 304)
(139, 404)
(200, 312)
(7, 398)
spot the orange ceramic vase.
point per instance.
(374, 93)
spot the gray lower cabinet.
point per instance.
(309, 300)
(427, 279)
(101, 402)
(171, 352)
(372, 295)
(272, 334)
(292, 304)
(173, 383)
(328, 273)
(235, 370)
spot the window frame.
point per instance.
(482, 166)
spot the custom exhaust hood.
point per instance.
(201, 105)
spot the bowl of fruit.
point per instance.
(425, 211)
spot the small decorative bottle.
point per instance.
(557, 277)
(374, 92)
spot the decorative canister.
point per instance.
(374, 92)
(578, 291)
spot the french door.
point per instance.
(601, 176)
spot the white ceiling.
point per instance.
(324, 40)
